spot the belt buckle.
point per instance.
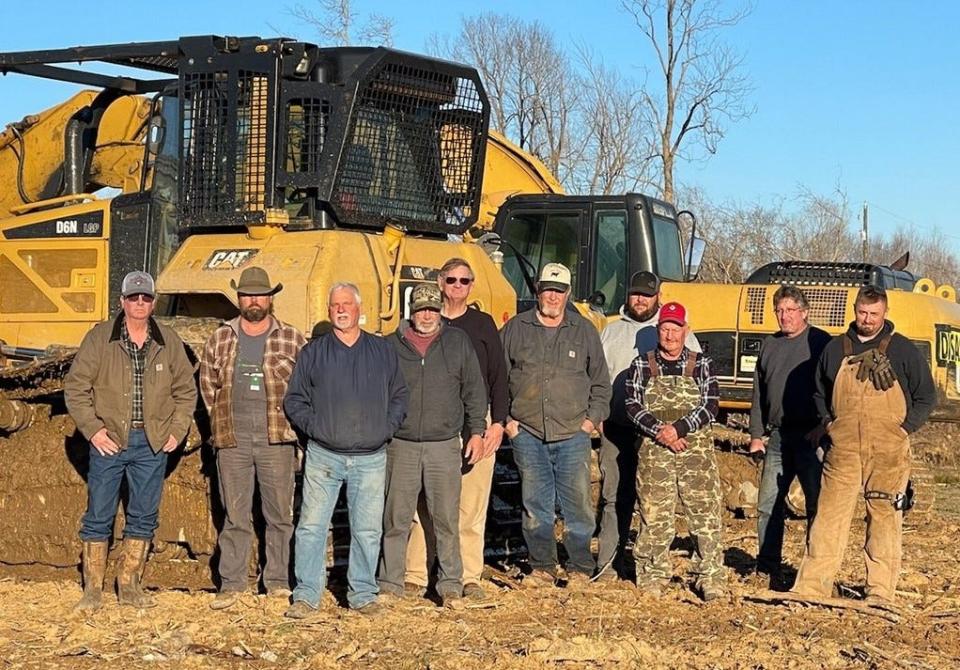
(136, 425)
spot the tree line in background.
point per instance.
(602, 131)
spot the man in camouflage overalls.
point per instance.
(672, 398)
(873, 388)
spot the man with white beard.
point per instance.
(559, 394)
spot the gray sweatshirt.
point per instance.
(623, 340)
(783, 382)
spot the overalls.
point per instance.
(662, 475)
(870, 455)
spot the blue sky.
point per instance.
(859, 94)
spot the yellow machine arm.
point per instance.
(509, 170)
(33, 151)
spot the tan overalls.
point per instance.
(869, 456)
(692, 475)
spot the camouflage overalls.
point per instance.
(662, 475)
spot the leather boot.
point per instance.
(94, 567)
(133, 557)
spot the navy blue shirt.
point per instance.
(347, 399)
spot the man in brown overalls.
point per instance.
(879, 389)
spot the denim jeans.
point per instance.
(323, 474)
(788, 455)
(551, 471)
(144, 472)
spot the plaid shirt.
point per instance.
(283, 344)
(638, 377)
(138, 357)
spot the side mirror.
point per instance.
(694, 256)
(597, 300)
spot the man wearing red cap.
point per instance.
(672, 398)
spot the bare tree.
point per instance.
(579, 117)
(335, 23)
(704, 87)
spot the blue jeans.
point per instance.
(144, 472)
(551, 471)
(788, 455)
(323, 474)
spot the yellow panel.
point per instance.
(19, 294)
(56, 266)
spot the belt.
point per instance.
(136, 425)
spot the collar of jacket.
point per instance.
(530, 316)
(405, 327)
(155, 335)
(887, 329)
(275, 325)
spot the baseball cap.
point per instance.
(554, 276)
(138, 281)
(673, 312)
(425, 296)
(645, 283)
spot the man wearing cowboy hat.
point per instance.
(244, 372)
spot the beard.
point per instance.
(646, 314)
(256, 313)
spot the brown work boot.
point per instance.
(133, 558)
(94, 567)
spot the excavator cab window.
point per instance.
(611, 240)
(669, 251)
(541, 237)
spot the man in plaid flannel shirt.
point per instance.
(244, 372)
(672, 398)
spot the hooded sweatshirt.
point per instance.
(912, 370)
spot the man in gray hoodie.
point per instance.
(633, 334)
(448, 397)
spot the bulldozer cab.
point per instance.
(248, 134)
(602, 239)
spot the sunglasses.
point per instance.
(139, 297)
(464, 281)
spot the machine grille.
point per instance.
(413, 150)
(756, 302)
(827, 305)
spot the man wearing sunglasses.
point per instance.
(131, 392)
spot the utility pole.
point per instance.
(863, 232)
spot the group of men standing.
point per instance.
(409, 425)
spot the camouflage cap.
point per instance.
(426, 296)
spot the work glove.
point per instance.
(866, 362)
(882, 374)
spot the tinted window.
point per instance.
(666, 241)
(541, 238)
(610, 258)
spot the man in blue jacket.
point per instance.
(347, 395)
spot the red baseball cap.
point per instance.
(673, 312)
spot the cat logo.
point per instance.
(229, 259)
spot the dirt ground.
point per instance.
(606, 625)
